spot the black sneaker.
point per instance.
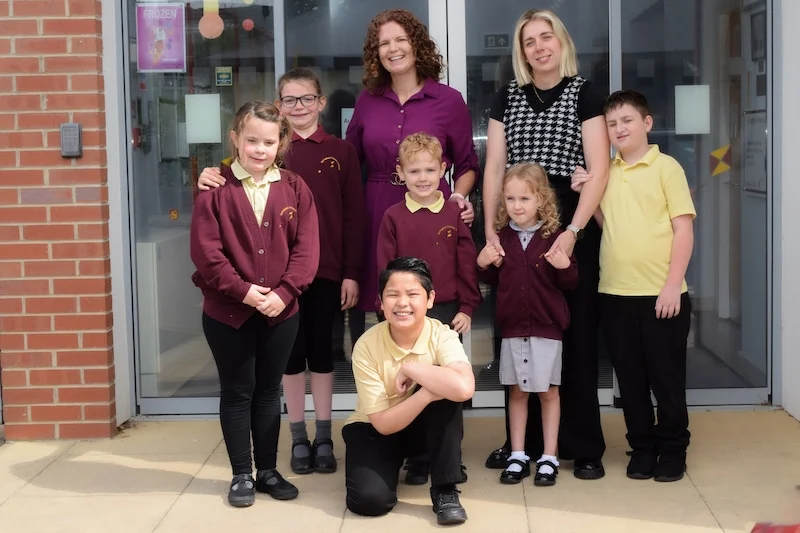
(271, 482)
(642, 465)
(242, 492)
(417, 473)
(447, 506)
(671, 467)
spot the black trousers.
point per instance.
(250, 362)
(580, 435)
(373, 461)
(649, 352)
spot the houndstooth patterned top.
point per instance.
(550, 138)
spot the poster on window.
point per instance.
(160, 37)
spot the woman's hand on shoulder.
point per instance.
(467, 210)
(210, 178)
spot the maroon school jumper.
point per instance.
(231, 250)
(443, 241)
(330, 168)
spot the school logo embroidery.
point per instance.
(446, 231)
(289, 211)
(332, 162)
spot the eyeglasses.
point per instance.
(291, 101)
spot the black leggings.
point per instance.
(250, 361)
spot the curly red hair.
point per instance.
(429, 61)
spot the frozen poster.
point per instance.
(160, 37)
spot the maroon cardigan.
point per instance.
(231, 251)
(530, 297)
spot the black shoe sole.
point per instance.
(543, 482)
(453, 519)
(282, 496)
(304, 471)
(589, 474)
(325, 470)
(416, 481)
(639, 475)
(243, 502)
(668, 479)
(514, 480)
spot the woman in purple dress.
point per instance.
(403, 95)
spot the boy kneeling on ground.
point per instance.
(411, 375)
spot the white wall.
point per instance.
(786, 165)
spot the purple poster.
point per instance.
(160, 37)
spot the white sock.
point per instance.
(547, 469)
(519, 456)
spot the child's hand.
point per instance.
(668, 303)
(211, 178)
(402, 382)
(255, 295)
(490, 255)
(579, 177)
(272, 305)
(461, 323)
(557, 258)
(349, 294)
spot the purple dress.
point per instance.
(378, 126)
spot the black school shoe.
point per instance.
(242, 492)
(302, 465)
(498, 459)
(507, 477)
(588, 469)
(447, 506)
(325, 464)
(545, 480)
(271, 482)
(642, 465)
(671, 467)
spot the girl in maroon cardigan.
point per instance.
(255, 244)
(531, 311)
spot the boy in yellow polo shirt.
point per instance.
(647, 216)
(411, 375)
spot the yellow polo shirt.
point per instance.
(638, 207)
(257, 193)
(415, 206)
(377, 360)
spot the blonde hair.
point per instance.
(536, 179)
(268, 113)
(418, 143)
(569, 56)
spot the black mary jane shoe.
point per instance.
(302, 465)
(545, 480)
(242, 492)
(508, 477)
(498, 459)
(325, 464)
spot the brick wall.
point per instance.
(55, 286)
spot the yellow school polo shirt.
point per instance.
(435, 207)
(377, 360)
(257, 193)
(638, 207)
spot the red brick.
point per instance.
(97, 340)
(86, 82)
(91, 194)
(39, 84)
(90, 120)
(42, 158)
(82, 213)
(86, 45)
(82, 286)
(73, 64)
(45, 269)
(23, 251)
(85, 394)
(72, 101)
(52, 232)
(99, 267)
(38, 8)
(44, 341)
(41, 121)
(84, 358)
(17, 65)
(82, 322)
(21, 139)
(77, 176)
(10, 305)
(84, 7)
(40, 46)
(23, 214)
(12, 341)
(95, 304)
(30, 431)
(97, 375)
(6, 82)
(71, 26)
(21, 324)
(24, 287)
(20, 102)
(92, 231)
(5, 9)
(14, 378)
(92, 158)
(7, 121)
(27, 396)
(13, 27)
(9, 196)
(26, 359)
(100, 430)
(21, 177)
(9, 270)
(51, 305)
(56, 413)
(16, 414)
(56, 376)
(46, 195)
(8, 158)
(80, 250)
(98, 412)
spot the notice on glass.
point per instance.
(160, 37)
(755, 152)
